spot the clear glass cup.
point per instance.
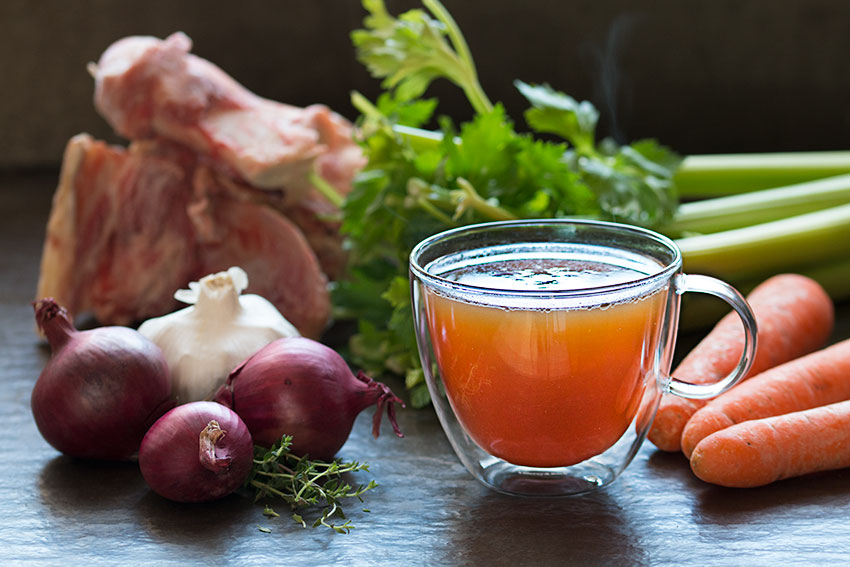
(547, 344)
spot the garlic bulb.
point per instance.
(204, 342)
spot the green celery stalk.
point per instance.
(470, 85)
(735, 211)
(701, 176)
(419, 139)
(833, 276)
(701, 311)
(807, 239)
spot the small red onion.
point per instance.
(100, 390)
(197, 452)
(299, 387)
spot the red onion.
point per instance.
(299, 387)
(100, 390)
(197, 452)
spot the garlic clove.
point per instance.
(262, 313)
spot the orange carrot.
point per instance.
(761, 451)
(814, 380)
(795, 317)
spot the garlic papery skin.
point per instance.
(204, 342)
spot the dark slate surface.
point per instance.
(426, 511)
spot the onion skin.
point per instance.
(100, 390)
(299, 387)
(197, 452)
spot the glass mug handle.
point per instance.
(717, 288)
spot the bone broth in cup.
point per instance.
(546, 346)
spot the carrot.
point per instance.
(814, 380)
(761, 451)
(794, 316)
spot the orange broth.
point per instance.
(545, 387)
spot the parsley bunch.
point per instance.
(419, 182)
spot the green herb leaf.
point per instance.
(557, 113)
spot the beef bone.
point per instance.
(146, 87)
(128, 227)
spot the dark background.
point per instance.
(700, 76)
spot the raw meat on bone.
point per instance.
(280, 264)
(316, 217)
(214, 176)
(102, 252)
(130, 227)
(146, 87)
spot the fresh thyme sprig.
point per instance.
(305, 483)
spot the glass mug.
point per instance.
(546, 346)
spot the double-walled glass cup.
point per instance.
(547, 344)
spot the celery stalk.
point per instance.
(702, 311)
(735, 211)
(701, 176)
(419, 139)
(833, 276)
(470, 84)
(811, 238)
